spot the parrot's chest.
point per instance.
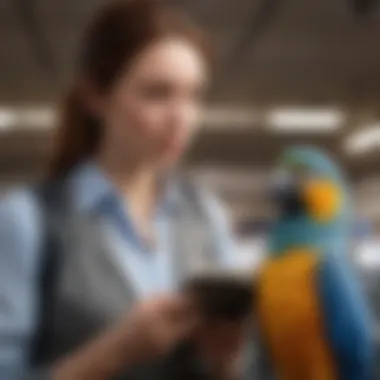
(290, 316)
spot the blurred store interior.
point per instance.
(289, 71)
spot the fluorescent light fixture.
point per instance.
(37, 117)
(44, 116)
(41, 117)
(220, 117)
(26, 117)
(364, 140)
(305, 119)
(7, 119)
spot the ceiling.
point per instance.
(298, 53)
(307, 51)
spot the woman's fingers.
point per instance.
(179, 315)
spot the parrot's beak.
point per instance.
(322, 199)
(319, 199)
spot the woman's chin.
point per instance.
(171, 156)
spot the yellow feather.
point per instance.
(323, 200)
(290, 318)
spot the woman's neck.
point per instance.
(128, 174)
(137, 184)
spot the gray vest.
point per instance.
(86, 292)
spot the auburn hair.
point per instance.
(118, 32)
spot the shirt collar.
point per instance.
(90, 187)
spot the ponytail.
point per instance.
(77, 138)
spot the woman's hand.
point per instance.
(221, 347)
(152, 329)
(157, 326)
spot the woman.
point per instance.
(82, 257)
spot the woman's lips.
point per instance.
(175, 147)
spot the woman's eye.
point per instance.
(159, 91)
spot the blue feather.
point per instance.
(346, 319)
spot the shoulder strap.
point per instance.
(51, 201)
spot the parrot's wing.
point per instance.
(347, 320)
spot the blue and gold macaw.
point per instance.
(313, 316)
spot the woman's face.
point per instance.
(154, 107)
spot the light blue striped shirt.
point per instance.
(21, 244)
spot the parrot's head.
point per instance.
(311, 197)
